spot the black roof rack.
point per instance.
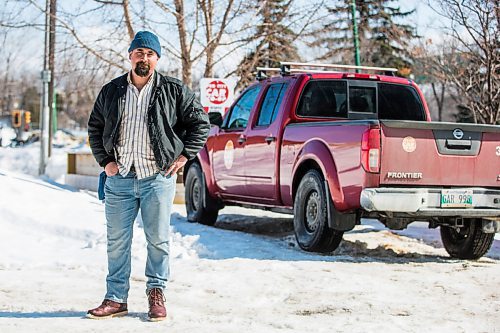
(261, 72)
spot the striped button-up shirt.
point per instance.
(134, 144)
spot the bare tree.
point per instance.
(103, 47)
(126, 14)
(213, 38)
(11, 82)
(431, 60)
(473, 67)
(206, 32)
(186, 45)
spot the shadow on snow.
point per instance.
(268, 238)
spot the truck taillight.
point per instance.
(370, 150)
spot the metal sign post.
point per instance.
(44, 147)
(44, 151)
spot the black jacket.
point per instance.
(177, 123)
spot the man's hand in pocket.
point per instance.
(178, 163)
(111, 169)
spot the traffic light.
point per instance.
(27, 117)
(16, 118)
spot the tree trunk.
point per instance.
(185, 51)
(207, 8)
(128, 21)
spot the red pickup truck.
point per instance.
(334, 147)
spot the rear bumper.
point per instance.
(427, 202)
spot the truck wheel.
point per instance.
(310, 216)
(469, 242)
(196, 212)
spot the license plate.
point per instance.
(456, 198)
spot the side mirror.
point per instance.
(215, 118)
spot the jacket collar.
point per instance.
(122, 82)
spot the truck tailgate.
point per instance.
(418, 153)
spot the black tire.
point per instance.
(196, 211)
(310, 218)
(469, 242)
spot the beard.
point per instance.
(142, 68)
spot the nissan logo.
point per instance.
(458, 133)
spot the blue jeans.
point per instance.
(124, 196)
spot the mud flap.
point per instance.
(336, 220)
(491, 226)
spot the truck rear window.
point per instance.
(323, 98)
(328, 98)
(399, 102)
(362, 99)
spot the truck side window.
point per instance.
(271, 104)
(323, 98)
(362, 99)
(399, 102)
(241, 110)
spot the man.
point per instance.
(143, 128)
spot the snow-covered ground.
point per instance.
(246, 274)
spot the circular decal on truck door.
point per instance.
(229, 154)
(409, 144)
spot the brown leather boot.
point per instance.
(108, 309)
(157, 311)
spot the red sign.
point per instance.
(217, 92)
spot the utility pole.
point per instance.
(52, 44)
(355, 35)
(44, 147)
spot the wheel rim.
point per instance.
(312, 211)
(195, 194)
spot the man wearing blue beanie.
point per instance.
(146, 39)
(143, 128)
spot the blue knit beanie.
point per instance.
(146, 39)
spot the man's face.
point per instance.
(143, 61)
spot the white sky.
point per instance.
(428, 22)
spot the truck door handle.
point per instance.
(270, 139)
(242, 139)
